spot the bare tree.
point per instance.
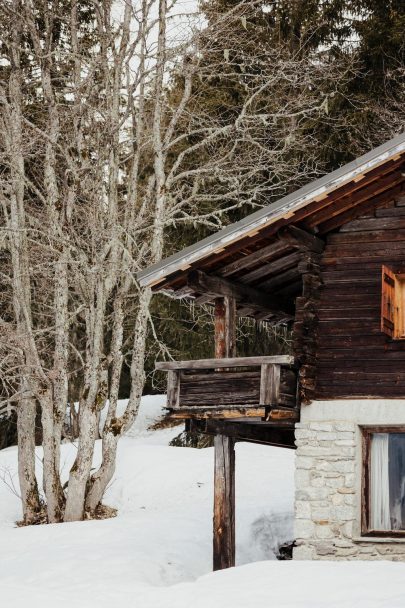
(107, 145)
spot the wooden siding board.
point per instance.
(354, 358)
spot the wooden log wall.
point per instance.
(305, 326)
(354, 357)
(235, 387)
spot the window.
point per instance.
(393, 303)
(384, 482)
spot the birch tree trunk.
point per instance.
(26, 410)
(26, 415)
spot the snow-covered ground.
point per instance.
(157, 552)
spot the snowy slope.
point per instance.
(151, 555)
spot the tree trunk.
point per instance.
(26, 412)
(80, 471)
(111, 430)
(51, 446)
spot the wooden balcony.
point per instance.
(233, 388)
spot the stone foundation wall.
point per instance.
(328, 493)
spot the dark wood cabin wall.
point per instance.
(305, 327)
(353, 357)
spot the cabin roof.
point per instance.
(284, 208)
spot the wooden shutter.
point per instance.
(388, 313)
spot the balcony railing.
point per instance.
(264, 387)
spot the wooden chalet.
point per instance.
(329, 260)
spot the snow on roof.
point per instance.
(286, 206)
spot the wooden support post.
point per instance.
(224, 469)
(270, 384)
(224, 502)
(219, 320)
(225, 328)
(230, 327)
(173, 389)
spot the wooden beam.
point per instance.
(279, 434)
(225, 327)
(226, 362)
(272, 268)
(296, 237)
(212, 412)
(224, 503)
(247, 261)
(219, 287)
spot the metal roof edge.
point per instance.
(183, 258)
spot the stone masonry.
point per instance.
(327, 499)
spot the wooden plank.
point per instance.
(173, 388)
(208, 376)
(270, 384)
(391, 211)
(381, 248)
(219, 287)
(279, 265)
(376, 223)
(226, 362)
(279, 414)
(367, 236)
(257, 257)
(224, 503)
(219, 413)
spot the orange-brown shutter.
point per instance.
(388, 302)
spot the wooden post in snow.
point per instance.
(224, 503)
(224, 469)
(225, 328)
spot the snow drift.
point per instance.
(153, 553)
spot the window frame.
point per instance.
(367, 432)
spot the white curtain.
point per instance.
(380, 485)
